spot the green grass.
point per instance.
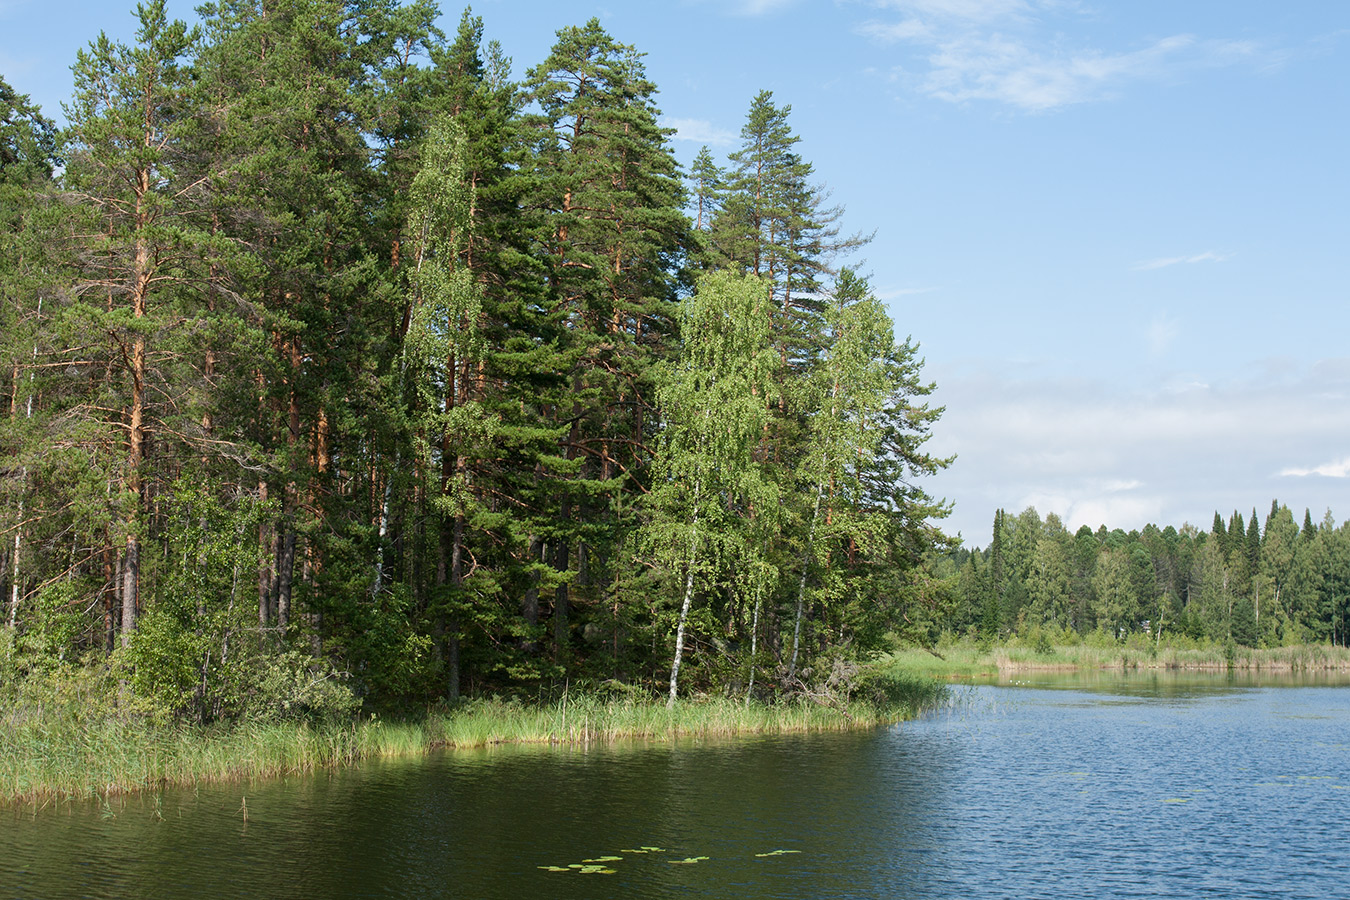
(67, 751)
(965, 659)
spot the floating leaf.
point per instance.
(603, 859)
(687, 861)
(554, 868)
(776, 853)
(594, 870)
(1176, 800)
(632, 851)
(654, 849)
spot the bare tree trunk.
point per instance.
(684, 607)
(801, 583)
(131, 570)
(754, 636)
(561, 555)
(383, 533)
(15, 580)
(530, 604)
(285, 576)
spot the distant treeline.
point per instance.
(1260, 584)
(336, 364)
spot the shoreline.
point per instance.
(966, 659)
(54, 756)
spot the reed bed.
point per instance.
(63, 753)
(967, 659)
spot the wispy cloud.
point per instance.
(1117, 487)
(1164, 262)
(1003, 51)
(757, 7)
(981, 12)
(699, 131)
(1338, 469)
(1124, 455)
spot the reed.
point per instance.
(69, 751)
(967, 659)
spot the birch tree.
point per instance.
(708, 482)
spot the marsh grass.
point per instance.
(966, 659)
(61, 751)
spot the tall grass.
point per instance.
(64, 751)
(967, 659)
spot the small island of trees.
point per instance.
(337, 368)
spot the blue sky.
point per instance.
(1120, 230)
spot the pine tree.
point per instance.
(775, 223)
(707, 189)
(612, 237)
(128, 125)
(289, 89)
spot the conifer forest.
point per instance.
(337, 366)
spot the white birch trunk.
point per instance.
(684, 608)
(801, 582)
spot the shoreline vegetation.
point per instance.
(64, 751)
(969, 659)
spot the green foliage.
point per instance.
(335, 366)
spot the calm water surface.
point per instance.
(1114, 786)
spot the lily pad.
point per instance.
(654, 849)
(1177, 800)
(776, 853)
(555, 868)
(687, 861)
(603, 859)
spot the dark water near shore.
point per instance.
(1139, 786)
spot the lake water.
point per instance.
(1054, 786)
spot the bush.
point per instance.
(294, 686)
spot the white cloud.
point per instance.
(1164, 262)
(699, 131)
(1011, 71)
(1127, 453)
(1339, 469)
(982, 12)
(891, 32)
(1006, 51)
(1116, 487)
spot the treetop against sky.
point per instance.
(1117, 229)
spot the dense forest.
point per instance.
(339, 366)
(1257, 584)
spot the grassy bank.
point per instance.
(65, 752)
(966, 659)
